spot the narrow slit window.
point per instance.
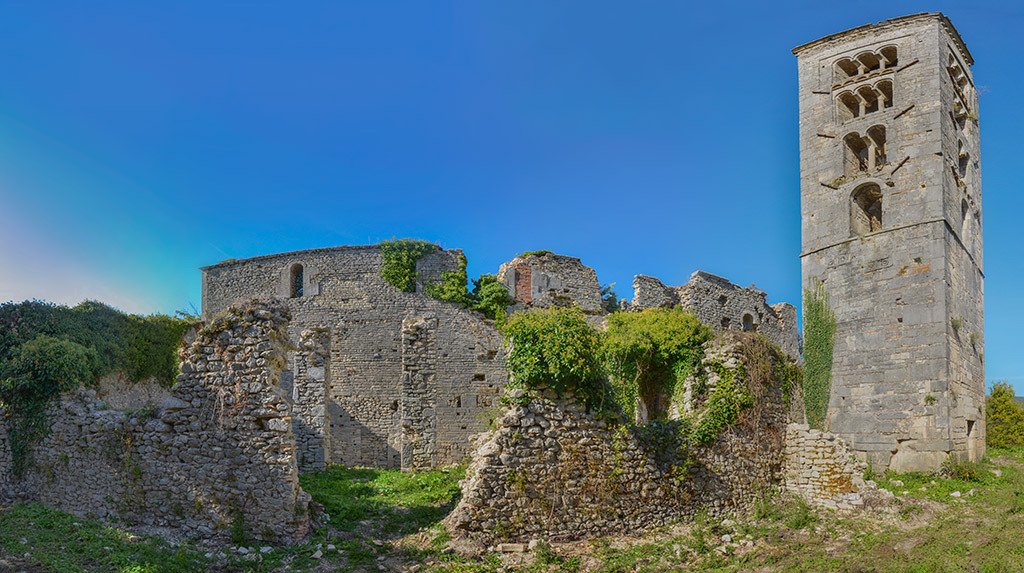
(297, 278)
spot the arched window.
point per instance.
(889, 57)
(866, 209)
(748, 323)
(876, 137)
(884, 89)
(296, 279)
(849, 106)
(855, 154)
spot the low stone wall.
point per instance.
(822, 469)
(218, 456)
(553, 470)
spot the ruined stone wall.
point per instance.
(903, 390)
(447, 398)
(219, 453)
(309, 398)
(365, 376)
(724, 306)
(546, 279)
(823, 469)
(553, 470)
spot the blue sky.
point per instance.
(141, 140)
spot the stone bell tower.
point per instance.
(890, 188)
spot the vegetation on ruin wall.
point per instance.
(34, 376)
(46, 349)
(1004, 417)
(819, 341)
(555, 348)
(649, 354)
(400, 256)
(398, 268)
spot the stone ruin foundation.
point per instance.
(553, 470)
(219, 454)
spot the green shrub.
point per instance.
(819, 342)
(555, 348)
(399, 258)
(34, 376)
(491, 298)
(648, 353)
(452, 286)
(137, 346)
(964, 470)
(1004, 417)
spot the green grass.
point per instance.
(386, 519)
(56, 541)
(392, 501)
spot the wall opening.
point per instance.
(855, 155)
(726, 321)
(972, 441)
(876, 137)
(748, 323)
(963, 159)
(296, 280)
(866, 210)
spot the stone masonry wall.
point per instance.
(309, 399)
(553, 470)
(344, 294)
(218, 453)
(724, 306)
(907, 387)
(823, 469)
(546, 279)
(447, 397)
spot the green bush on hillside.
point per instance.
(1004, 417)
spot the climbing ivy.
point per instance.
(819, 342)
(452, 286)
(399, 258)
(729, 397)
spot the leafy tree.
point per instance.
(647, 352)
(1004, 417)
(609, 300)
